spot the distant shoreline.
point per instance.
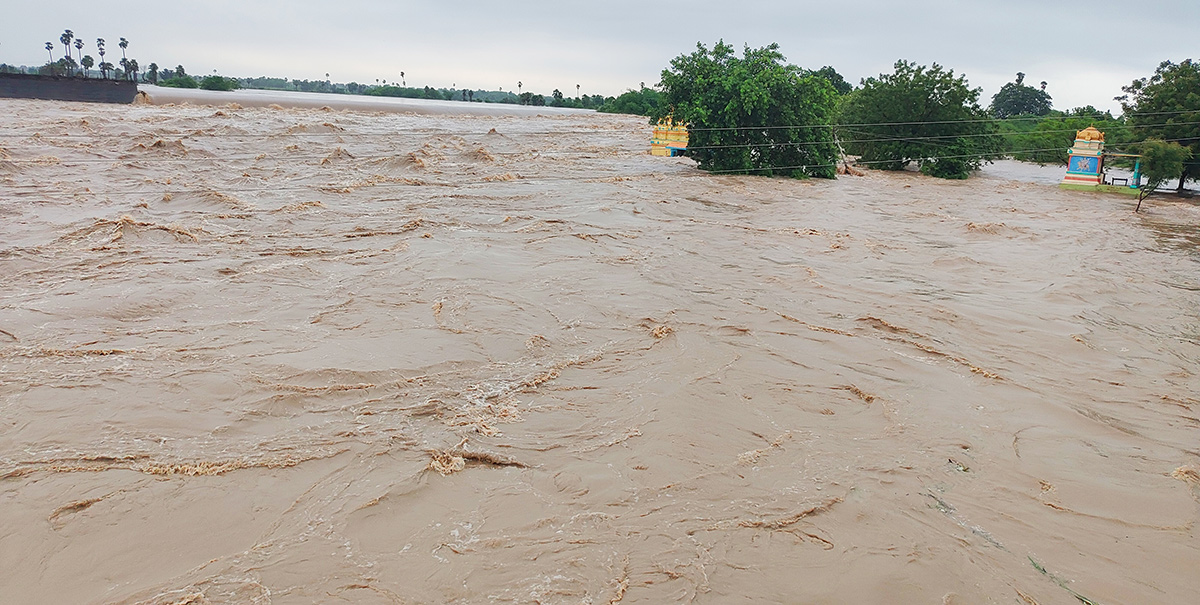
(161, 95)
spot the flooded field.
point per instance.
(256, 355)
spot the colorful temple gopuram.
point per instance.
(1085, 166)
(669, 139)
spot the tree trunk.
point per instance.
(1182, 178)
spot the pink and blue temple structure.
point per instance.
(1085, 166)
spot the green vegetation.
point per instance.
(1046, 140)
(1017, 99)
(1166, 106)
(642, 102)
(751, 114)
(215, 82)
(1161, 162)
(839, 83)
(183, 81)
(919, 114)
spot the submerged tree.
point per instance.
(1015, 98)
(1167, 106)
(919, 114)
(751, 114)
(1161, 162)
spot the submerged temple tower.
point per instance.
(670, 138)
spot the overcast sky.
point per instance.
(1086, 50)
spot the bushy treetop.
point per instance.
(1166, 106)
(919, 114)
(754, 113)
(1015, 99)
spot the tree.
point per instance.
(87, 62)
(642, 102)
(1161, 162)
(152, 72)
(131, 69)
(123, 44)
(79, 47)
(180, 81)
(50, 51)
(751, 114)
(104, 67)
(1015, 98)
(1047, 140)
(919, 114)
(66, 38)
(1166, 106)
(839, 83)
(215, 82)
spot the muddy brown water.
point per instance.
(254, 355)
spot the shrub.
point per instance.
(180, 82)
(218, 83)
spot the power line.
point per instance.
(931, 122)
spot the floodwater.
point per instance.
(161, 95)
(253, 355)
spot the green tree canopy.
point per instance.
(214, 82)
(751, 114)
(1166, 106)
(641, 102)
(919, 114)
(1015, 99)
(839, 83)
(1161, 162)
(1047, 140)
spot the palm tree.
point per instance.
(576, 90)
(152, 71)
(125, 67)
(131, 68)
(518, 87)
(87, 62)
(1043, 86)
(79, 47)
(402, 82)
(50, 51)
(123, 44)
(66, 38)
(100, 50)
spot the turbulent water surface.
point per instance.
(266, 355)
